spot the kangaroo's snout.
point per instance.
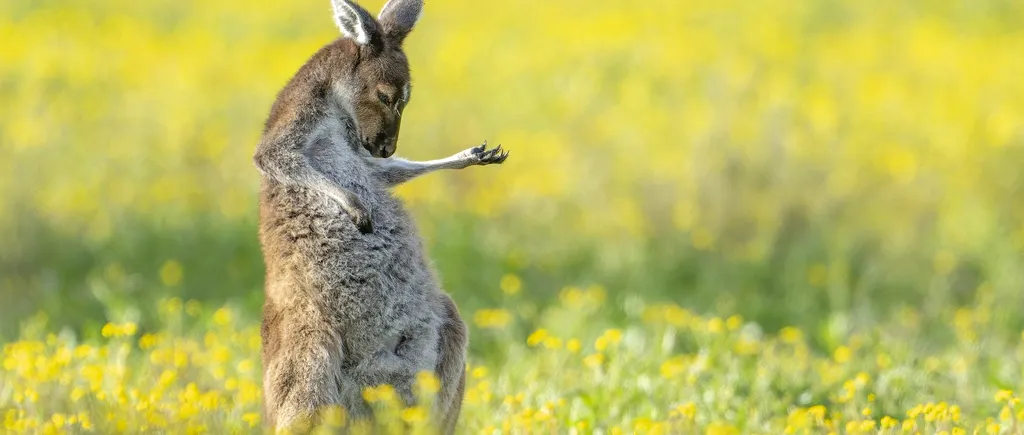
(382, 145)
(389, 148)
(385, 144)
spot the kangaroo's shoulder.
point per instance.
(307, 96)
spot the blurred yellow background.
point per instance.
(885, 131)
(828, 164)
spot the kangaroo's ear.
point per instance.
(398, 17)
(355, 22)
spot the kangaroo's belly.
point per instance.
(377, 289)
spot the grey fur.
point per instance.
(398, 17)
(351, 299)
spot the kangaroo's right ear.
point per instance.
(355, 22)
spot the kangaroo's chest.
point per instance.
(377, 286)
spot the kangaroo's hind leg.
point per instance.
(302, 369)
(451, 367)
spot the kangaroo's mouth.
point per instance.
(381, 147)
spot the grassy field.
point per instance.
(669, 371)
(719, 216)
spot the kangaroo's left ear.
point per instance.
(398, 17)
(355, 22)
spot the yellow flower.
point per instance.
(610, 337)
(428, 383)
(687, 411)
(889, 422)
(721, 429)
(251, 418)
(129, 328)
(842, 354)
(209, 401)
(537, 337)
(59, 420)
(992, 428)
(511, 284)
(245, 366)
(492, 318)
(734, 322)
(673, 367)
(594, 360)
(222, 316)
(382, 393)
(148, 341)
(715, 325)
(676, 316)
(914, 412)
(573, 345)
(171, 306)
(883, 361)
(614, 335)
(1004, 396)
(479, 372)
(642, 425)
(553, 343)
(571, 297)
(595, 295)
(791, 335)
(818, 412)
(84, 420)
(415, 414)
(171, 273)
(119, 330)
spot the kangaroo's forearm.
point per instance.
(394, 171)
(288, 164)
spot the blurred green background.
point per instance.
(799, 163)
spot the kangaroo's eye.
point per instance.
(383, 99)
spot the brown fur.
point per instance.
(351, 299)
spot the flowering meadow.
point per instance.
(669, 371)
(718, 216)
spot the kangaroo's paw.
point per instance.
(363, 222)
(360, 216)
(482, 156)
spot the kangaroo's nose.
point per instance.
(388, 149)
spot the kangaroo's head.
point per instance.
(378, 87)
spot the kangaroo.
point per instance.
(351, 300)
